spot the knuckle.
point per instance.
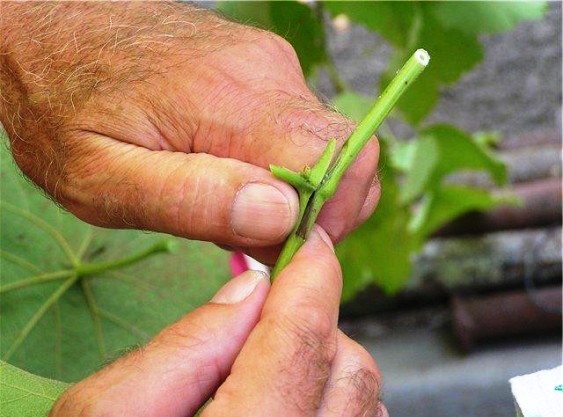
(188, 333)
(279, 46)
(366, 384)
(363, 382)
(312, 329)
(365, 395)
(307, 361)
(304, 116)
(367, 364)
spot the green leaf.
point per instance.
(402, 155)
(99, 316)
(448, 202)
(488, 139)
(486, 16)
(26, 395)
(353, 105)
(447, 30)
(294, 21)
(379, 250)
(442, 150)
(453, 53)
(392, 20)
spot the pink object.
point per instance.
(238, 263)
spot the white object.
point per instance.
(422, 56)
(254, 265)
(539, 394)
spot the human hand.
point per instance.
(164, 117)
(263, 352)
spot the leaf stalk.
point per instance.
(87, 269)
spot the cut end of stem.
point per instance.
(422, 57)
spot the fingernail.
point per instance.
(239, 288)
(263, 212)
(323, 235)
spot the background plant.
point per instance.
(63, 330)
(416, 200)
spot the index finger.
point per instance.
(285, 364)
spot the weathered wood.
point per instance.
(511, 313)
(499, 259)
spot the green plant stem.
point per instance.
(87, 269)
(353, 146)
(334, 76)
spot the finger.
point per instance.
(283, 367)
(198, 196)
(181, 367)
(290, 129)
(372, 199)
(330, 217)
(356, 197)
(354, 383)
(302, 127)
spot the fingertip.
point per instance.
(371, 201)
(241, 287)
(319, 233)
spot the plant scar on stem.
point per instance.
(318, 184)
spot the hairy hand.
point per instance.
(257, 351)
(164, 117)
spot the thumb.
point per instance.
(197, 195)
(182, 366)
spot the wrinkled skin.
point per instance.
(163, 117)
(259, 351)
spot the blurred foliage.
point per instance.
(415, 201)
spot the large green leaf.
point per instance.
(486, 16)
(448, 30)
(441, 150)
(452, 52)
(99, 316)
(26, 395)
(379, 250)
(294, 21)
(392, 20)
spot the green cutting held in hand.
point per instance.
(315, 185)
